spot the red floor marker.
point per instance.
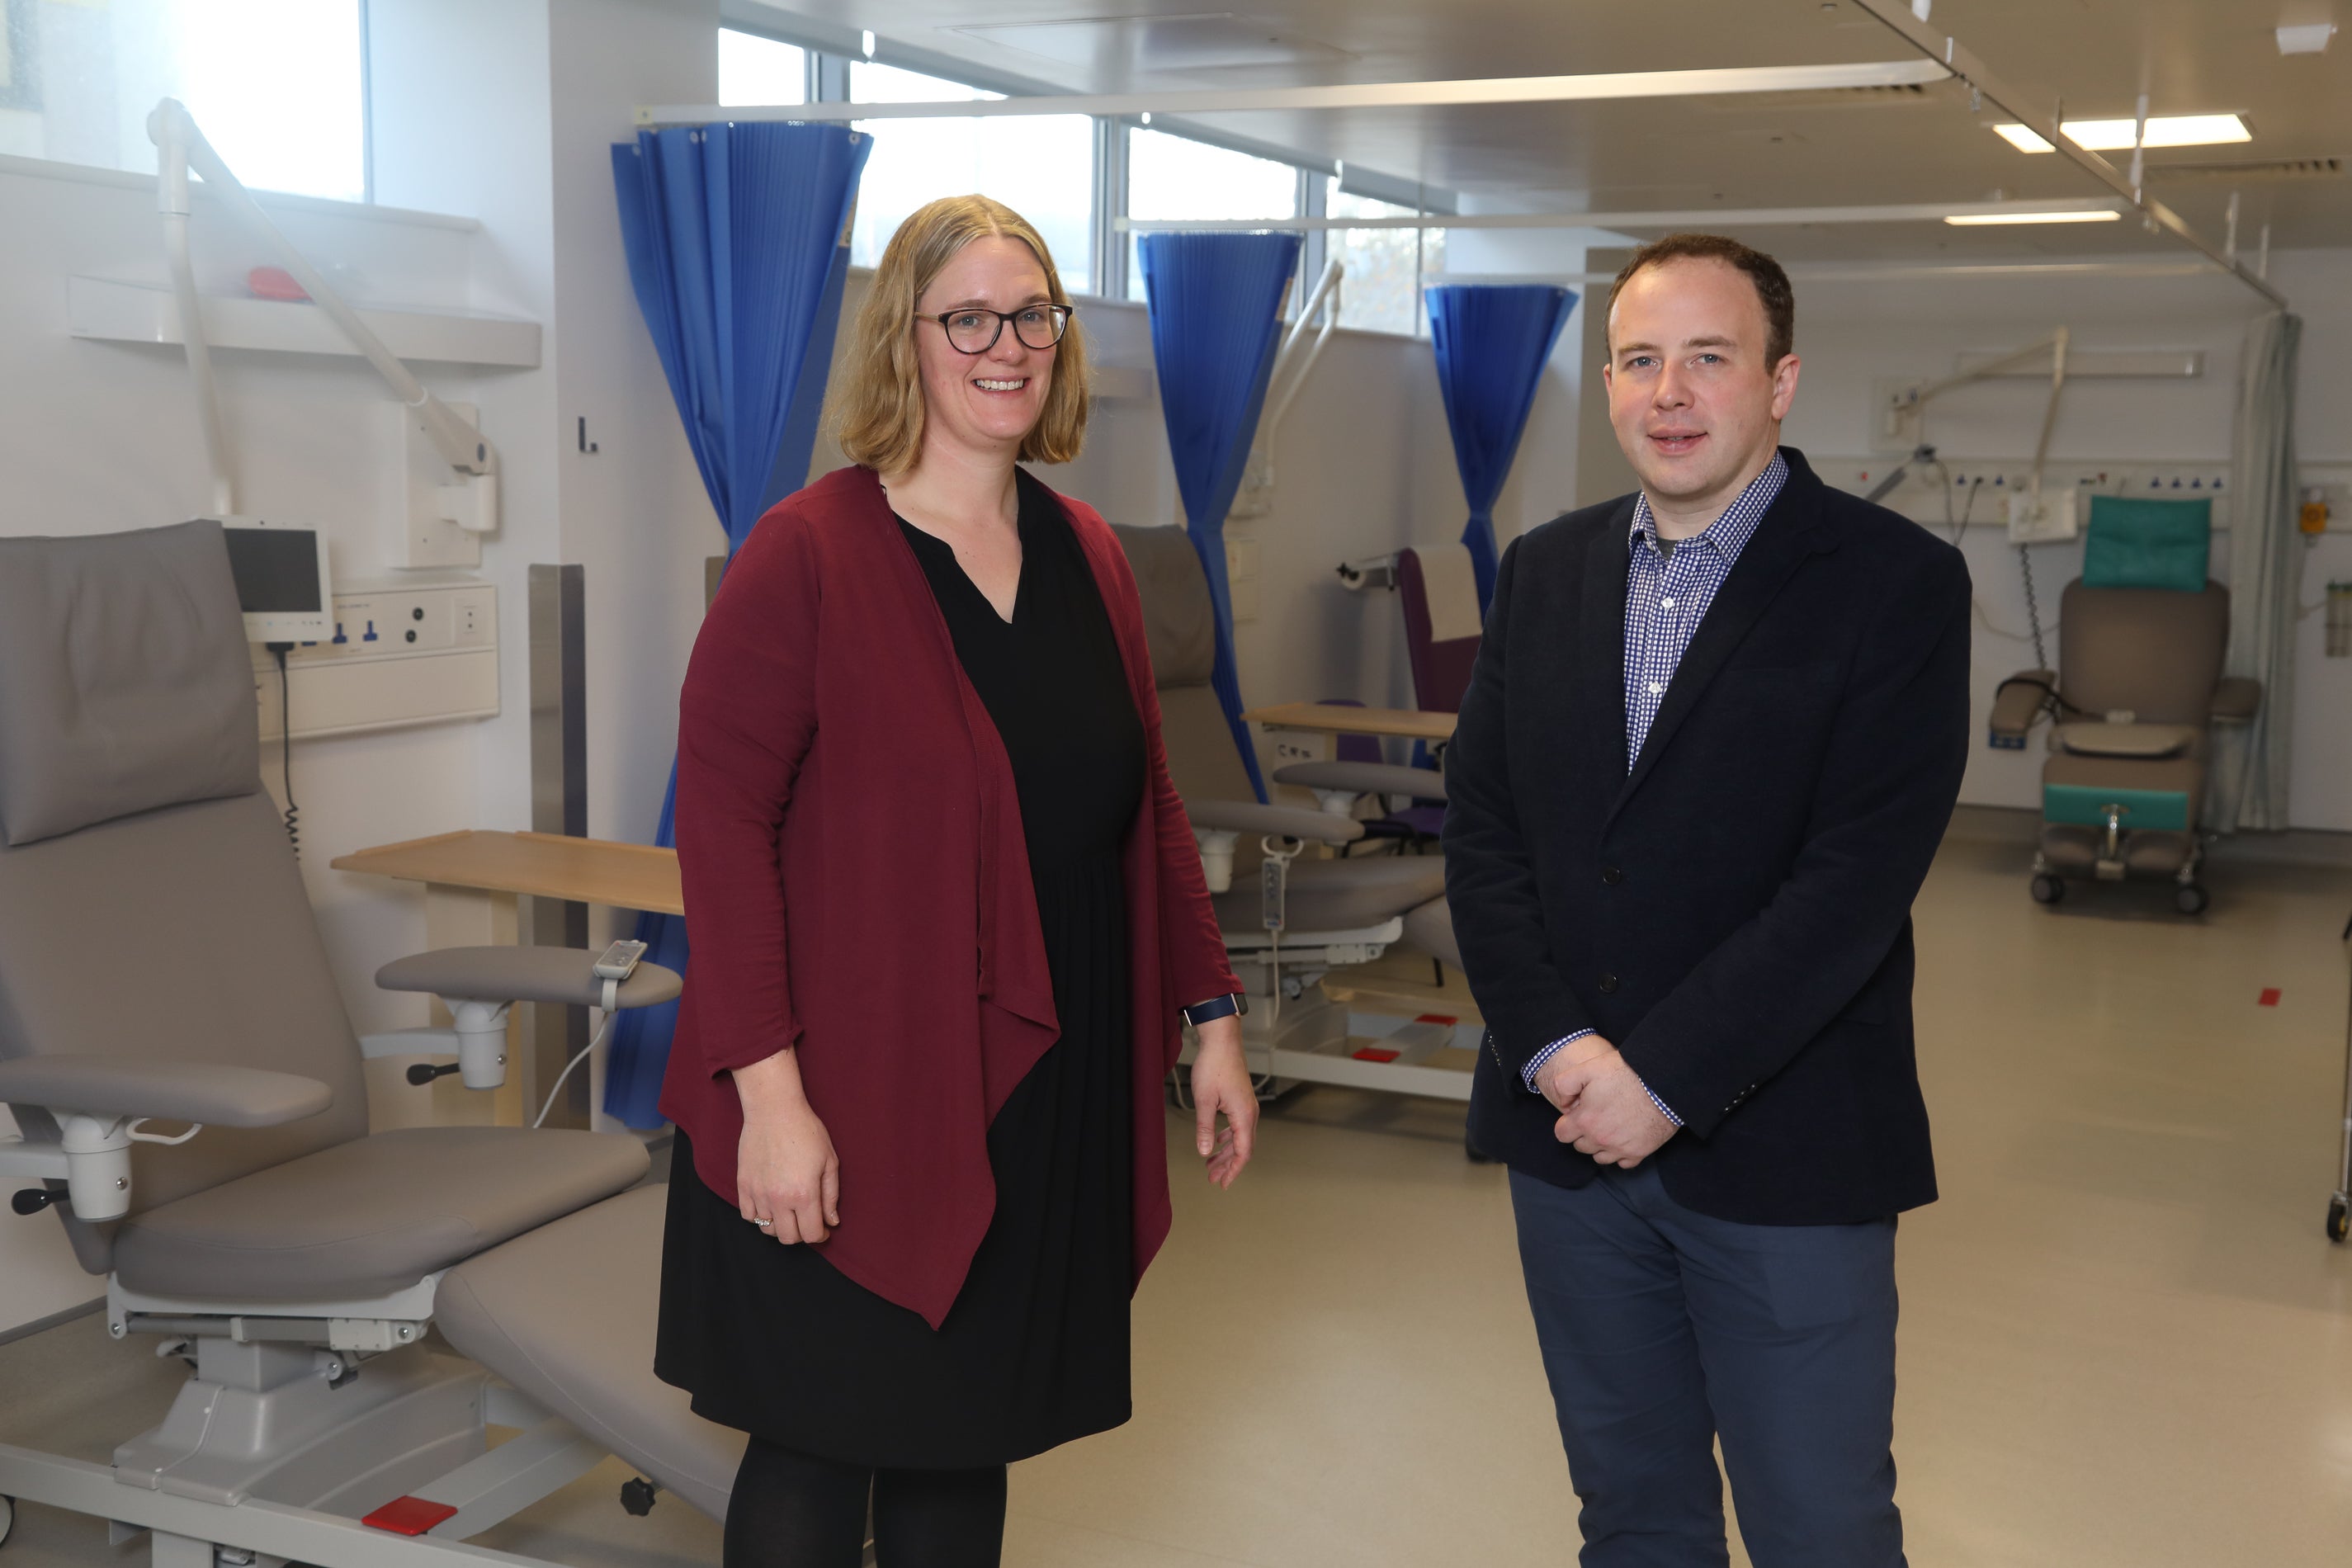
(409, 1516)
(2269, 998)
(1375, 1054)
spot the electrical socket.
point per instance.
(1895, 413)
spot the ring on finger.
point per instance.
(766, 1223)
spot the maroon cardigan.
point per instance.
(858, 886)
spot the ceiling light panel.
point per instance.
(2117, 135)
(2088, 215)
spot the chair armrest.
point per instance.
(2236, 699)
(2019, 701)
(1276, 821)
(524, 975)
(215, 1094)
(1365, 778)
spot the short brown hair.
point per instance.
(876, 408)
(1772, 287)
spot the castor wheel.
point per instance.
(2047, 888)
(2190, 899)
(2339, 1224)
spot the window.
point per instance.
(1173, 177)
(757, 70)
(1381, 292)
(275, 85)
(1041, 166)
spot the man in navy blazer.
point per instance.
(1714, 734)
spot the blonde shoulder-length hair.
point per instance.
(876, 406)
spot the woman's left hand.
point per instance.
(1220, 1081)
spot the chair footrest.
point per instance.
(2086, 806)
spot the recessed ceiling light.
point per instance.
(2306, 39)
(2088, 214)
(2116, 135)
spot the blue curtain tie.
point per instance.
(1216, 323)
(1492, 343)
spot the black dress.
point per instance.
(773, 1340)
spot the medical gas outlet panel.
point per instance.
(415, 651)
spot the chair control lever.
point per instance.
(33, 1200)
(425, 1072)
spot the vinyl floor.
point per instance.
(2126, 1341)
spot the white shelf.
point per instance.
(133, 314)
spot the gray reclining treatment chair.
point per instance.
(2137, 689)
(1330, 912)
(159, 961)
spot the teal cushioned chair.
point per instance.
(2139, 686)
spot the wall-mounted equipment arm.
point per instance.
(1908, 405)
(1295, 360)
(474, 505)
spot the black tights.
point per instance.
(792, 1510)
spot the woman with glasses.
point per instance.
(947, 913)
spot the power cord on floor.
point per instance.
(286, 742)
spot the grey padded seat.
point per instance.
(1178, 623)
(1339, 895)
(561, 1324)
(2103, 740)
(1431, 929)
(370, 1217)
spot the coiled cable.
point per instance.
(286, 744)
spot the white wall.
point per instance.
(1851, 334)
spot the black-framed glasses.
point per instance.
(975, 329)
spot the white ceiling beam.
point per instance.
(1691, 218)
(1886, 271)
(1369, 95)
(1942, 48)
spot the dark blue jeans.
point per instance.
(1663, 1330)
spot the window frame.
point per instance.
(831, 51)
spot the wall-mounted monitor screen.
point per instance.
(281, 580)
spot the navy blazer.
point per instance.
(1733, 913)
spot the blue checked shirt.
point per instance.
(1666, 596)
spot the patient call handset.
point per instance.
(620, 961)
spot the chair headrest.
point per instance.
(126, 682)
(1447, 582)
(2135, 542)
(1179, 621)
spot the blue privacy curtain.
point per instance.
(1216, 323)
(1492, 341)
(737, 241)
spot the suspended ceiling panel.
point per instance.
(1793, 149)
